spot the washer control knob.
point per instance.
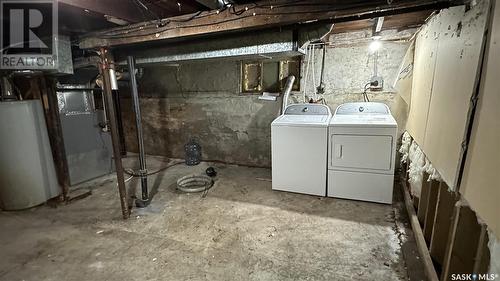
(305, 109)
(361, 109)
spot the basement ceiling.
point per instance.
(79, 17)
(83, 16)
(264, 14)
(398, 22)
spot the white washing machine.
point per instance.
(362, 152)
(299, 147)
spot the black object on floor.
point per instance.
(211, 172)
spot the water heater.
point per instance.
(27, 172)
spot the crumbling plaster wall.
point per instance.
(203, 100)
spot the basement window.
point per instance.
(269, 76)
(251, 73)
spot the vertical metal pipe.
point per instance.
(140, 141)
(105, 64)
(116, 99)
(121, 133)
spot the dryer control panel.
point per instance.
(363, 108)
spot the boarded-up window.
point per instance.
(269, 76)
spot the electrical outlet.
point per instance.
(376, 83)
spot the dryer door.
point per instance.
(361, 152)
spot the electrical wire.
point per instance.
(365, 95)
(232, 10)
(308, 55)
(142, 7)
(313, 64)
(321, 86)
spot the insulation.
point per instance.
(416, 168)
(405, 147)
(433, 173)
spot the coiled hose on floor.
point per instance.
(188, 184)
(194, 183)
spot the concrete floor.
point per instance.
(242, 230)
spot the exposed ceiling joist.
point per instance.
(122, 9)
(254, 16)
(166, 8)
(407, 20)
(211, 4)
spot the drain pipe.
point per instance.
(140, 141)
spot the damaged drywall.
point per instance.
(480, 175)
(448, 54)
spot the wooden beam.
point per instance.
(54, 128)
(424, 200)
(449, 244)
(430, 214)
(430, 272)
(464, 243)
(442, 223)
(251, 17)
(482, 259)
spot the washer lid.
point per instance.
(302, 120)
(362, 108)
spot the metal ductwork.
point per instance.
(256, 45)
(26, 64)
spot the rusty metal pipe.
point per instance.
(105, 65)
